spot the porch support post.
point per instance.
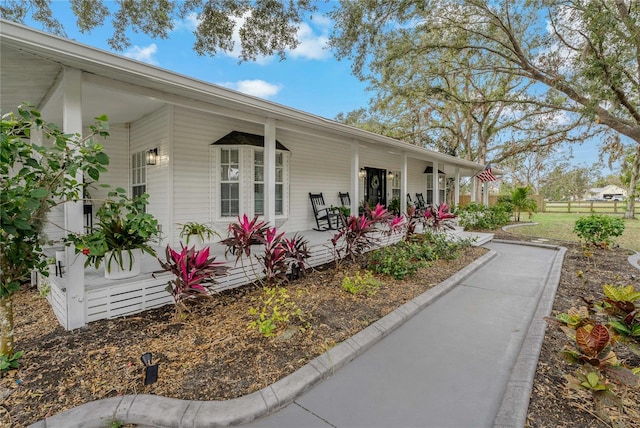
(403, 184)
(474, 183)
(355, 177)
(270, 172)
(456, 188)
(485, 193)
(73, 211)
(436, 184)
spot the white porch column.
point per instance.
(354, 190)
(73, 211)
(485, 193)
(436, 184)
(474, 183)
(270, 172)
(456, 188)
(403, 184)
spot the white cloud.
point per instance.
(256, 87)
(144, 54)
(190, 23)
(311, 46)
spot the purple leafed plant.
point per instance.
(243, 235)
(274, 259)
(412, 223)
(356, 236)
(194, 272)
(297, 250)
(438, 217)
(280, 254)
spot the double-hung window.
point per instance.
(258, 182)
(229, 182)
(138, 174)
(240, 176)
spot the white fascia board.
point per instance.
(103, 63)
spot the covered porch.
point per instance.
(105, 298)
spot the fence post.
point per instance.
(568, 206)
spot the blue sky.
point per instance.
(310, 79)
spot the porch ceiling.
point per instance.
(29, 78)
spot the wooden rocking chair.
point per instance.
(326, 217)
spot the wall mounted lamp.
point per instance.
(362, 173)
(390, 175)
(152, 156)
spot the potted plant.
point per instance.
(198, 233)
(123, 231)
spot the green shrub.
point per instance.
(475, 216)
(441, 246)
(398, 261)
(361, 283)
(275, 310)
(8, 362)
(599, 230)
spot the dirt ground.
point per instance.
(211, 354)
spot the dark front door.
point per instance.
(376, 188)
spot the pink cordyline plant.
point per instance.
(274, 259)
(194, 272)
(439, 217)
(243, 235)
(356, 236)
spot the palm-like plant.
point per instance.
(521, 201)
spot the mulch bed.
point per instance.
(208, 354)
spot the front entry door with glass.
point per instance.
(375, 189)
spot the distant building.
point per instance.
(610, 192)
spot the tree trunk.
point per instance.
(6, 325)
(633, 182)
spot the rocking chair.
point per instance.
(326, 217)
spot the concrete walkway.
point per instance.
(462, 354)
(449, 365)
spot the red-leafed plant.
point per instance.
(357, 235)
(243, 235)
(195, 272)
(274, 259)
(297, 250)
(282, 255)
(438, 217)
(413, 219)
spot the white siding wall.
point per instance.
(147, 133)
(317, 165)
(194, 194)
(116, 145)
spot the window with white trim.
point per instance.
(258, 182)
(138, 174)
(243, 192)
(395, 185)
(229, 182)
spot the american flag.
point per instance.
(486, 174)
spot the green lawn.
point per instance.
(560, 226)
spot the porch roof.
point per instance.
(126, 89)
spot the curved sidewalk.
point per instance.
(466, 361)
